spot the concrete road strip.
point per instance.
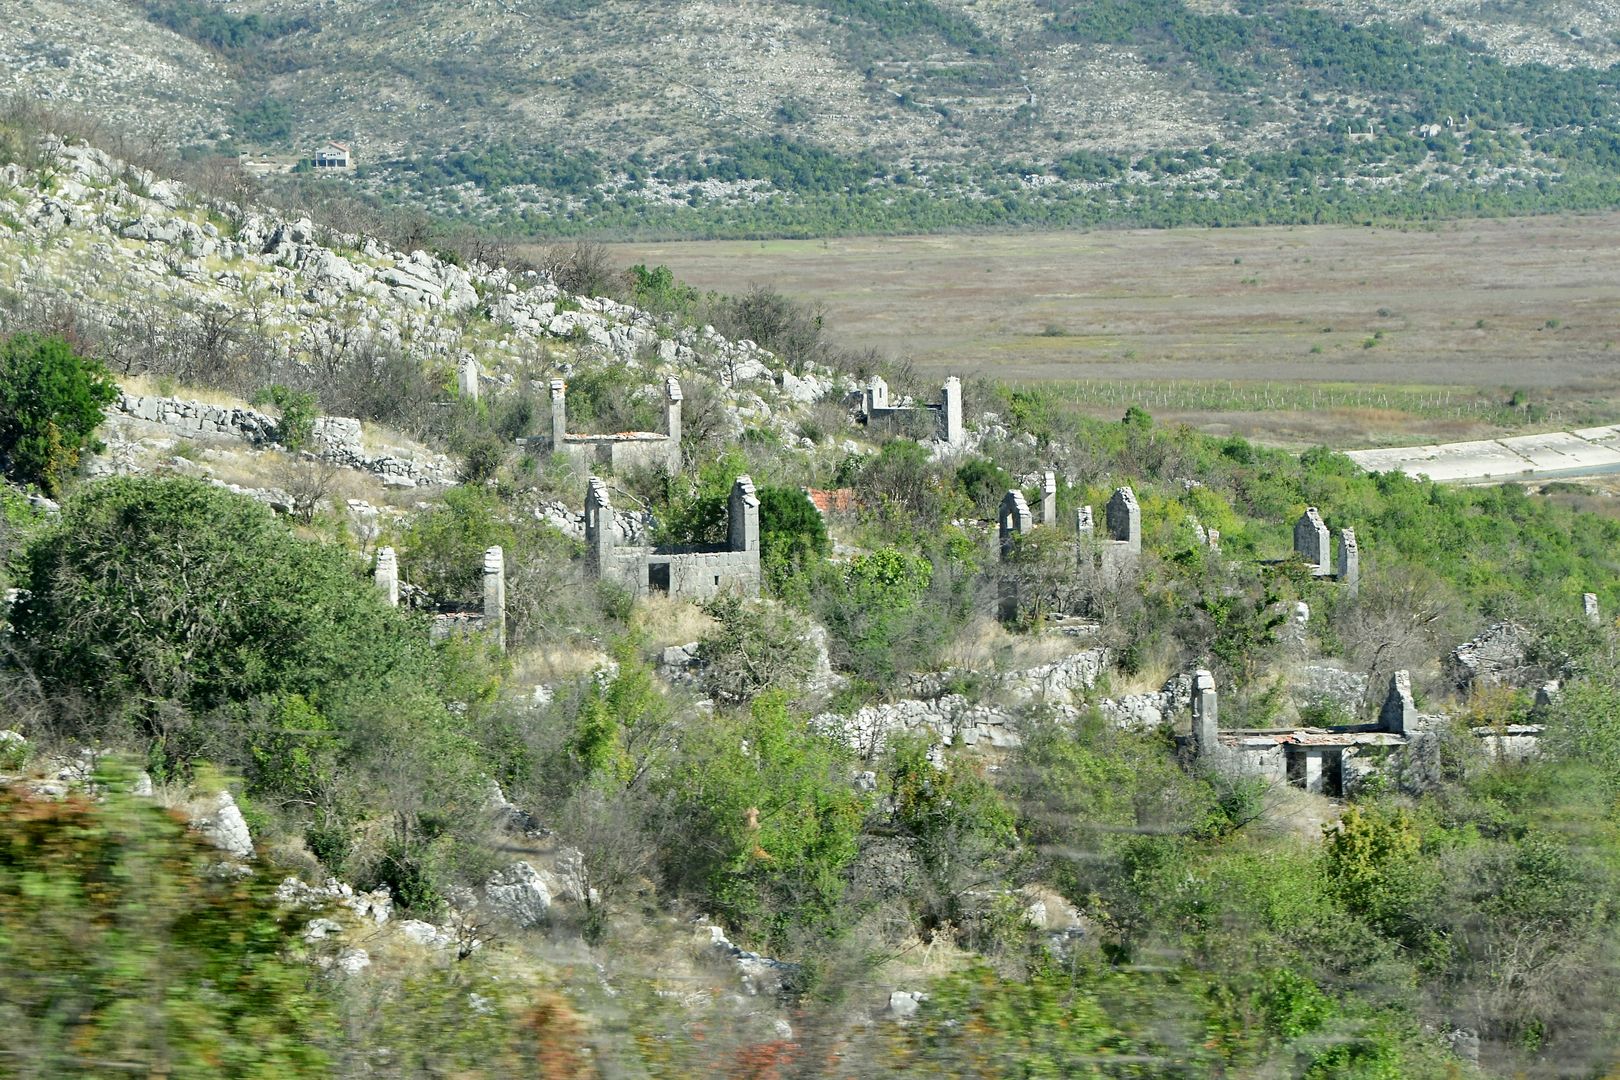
(1587, 452)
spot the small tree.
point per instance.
(51, 402)
(296, 426)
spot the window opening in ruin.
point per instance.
(658, 577)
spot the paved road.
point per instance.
(1587, 452)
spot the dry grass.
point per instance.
(1469, 307)
(545, 664)
(149, 386)
(663, 621)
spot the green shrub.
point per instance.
(295, 427)
(185, 972)
(51, 402)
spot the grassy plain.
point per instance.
(1292, 334)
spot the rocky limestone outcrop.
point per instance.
(952, 718)
(111, 241)
(519, 895)
(219, 820)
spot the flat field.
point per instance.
(1302, 333)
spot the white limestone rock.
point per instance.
(220, 822)
(519, 895)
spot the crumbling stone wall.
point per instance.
(685, 572)
(625, 450)
(336, 438)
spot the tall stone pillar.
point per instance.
(743, 516)
(495, 595)
(559, 414)
(1049, 500)
(1589, 604)
(1311, 541)
(1349, 562)
(1205, 713)
(387, 575)
(467, 378)
(1084, 523)
(950, 410)
(1399, 714)
(672, 408)
(599, 538)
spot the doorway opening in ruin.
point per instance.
(658, 578)
(1333, 775)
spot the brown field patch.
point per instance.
(1479, 308)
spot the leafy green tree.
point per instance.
(958, 825)
(770, 820)
(171, 590)
(51, 402)
(985, 483)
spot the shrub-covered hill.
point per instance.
(638, 841)
(833, 116)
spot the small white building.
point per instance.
(334, 155)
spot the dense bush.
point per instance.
(120, 943)
(51, 402)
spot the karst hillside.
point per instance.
(429, 648)
(817, 117)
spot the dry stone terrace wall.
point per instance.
(338, 439)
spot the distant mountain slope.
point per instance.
(817, 115)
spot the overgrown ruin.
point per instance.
(623, 450)
(687, 572)
(876, 406)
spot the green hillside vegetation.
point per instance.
(926, 116)
(199, 635)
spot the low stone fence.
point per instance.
(337, 439)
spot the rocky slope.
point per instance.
(115, 243)
(516, 110)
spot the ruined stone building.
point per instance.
(1337, 761)
(690, 573)
(625, 449)
(450, 618)
(877, 407)
(1311, 544)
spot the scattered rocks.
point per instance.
(759, 974)
(375, 907)
(904, 1004)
